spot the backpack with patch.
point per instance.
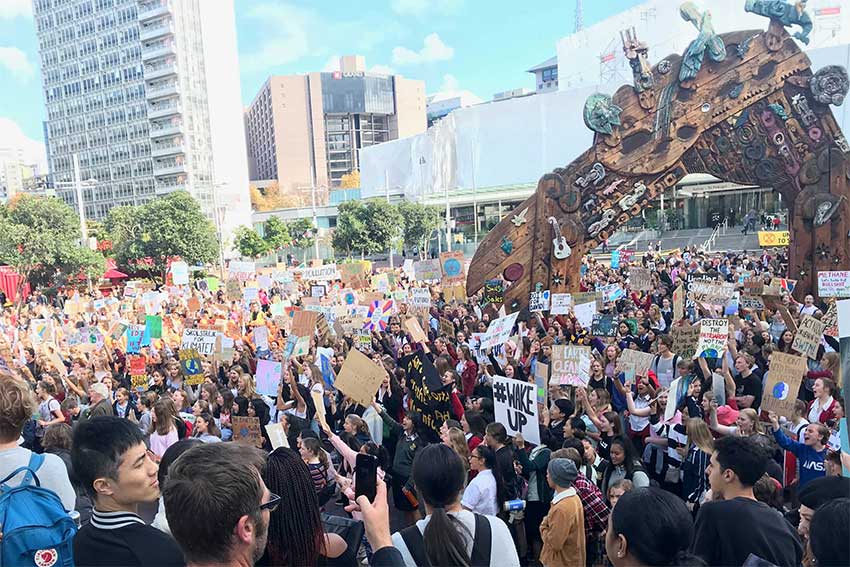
(36, 528)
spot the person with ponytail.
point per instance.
(636, 537)
(450, 535)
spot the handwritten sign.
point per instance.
(584, 314)
(451, 264)
(268, 376)
(515, 406)
(783, 383)
(604, 325)
(277, 436)
(561, 303)
(570, 365)
(412, 326)
(304, 323)
(499, 331)
(247, 430)
(360, 378)
(320, 273)
(636, 360)
(834, 284)
(640, 279)
(203, 340)
(808, 337)
(190, 366)
(420, 297)
(685, 338)
(713, 334)
(539, 301)
(541, 381)
(494, 291)
(427, 270)
(679, 303)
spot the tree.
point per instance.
(350, 180)
(302, 233)
(350, 233)
(419, 221)
(383, 223)
(249, 243)
(276, 233)
(148, 235)
(41, 241)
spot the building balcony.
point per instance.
(155, 9)
(163, 130)
(161, 91)
(163, 150)
(167, 188)
(160, 70)
(156, 30)
(158, 50)
(161, 169)
(163, 110)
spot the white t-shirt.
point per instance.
(52, 474)
(502, 549)
(48, 407)
(480, 495)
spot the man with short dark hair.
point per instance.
(217, 504)
(111, 462)
(735, 525)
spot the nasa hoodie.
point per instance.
(811, 462)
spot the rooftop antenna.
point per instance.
(579, 22)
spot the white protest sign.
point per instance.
(539, 301)
(499, 331)
(515, 406)
(584, 314)
(834, 284)
(713, 334)
(420, 297)
(261, 337)
(241, 269)
(202, 340)
(180, 273)
(561, 303)
(321, 273)
(570, 365)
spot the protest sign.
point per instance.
(318, 291)
(713, 334)
(134, 338)
(447, 328)
(277, 436)
(360, 378)
(355, 274)
(451, 264)
(586, 297)
(570, 365)
(41, 332)
(808, 337)
(679, 303)
(615, 259)
(635, 360)
(834, 284)
(640, 279)
(584, 314)
(774, 238)
(420, 297)
(118, 329)
(304, 323)
(411, 325)
(783, 383)
(190, 366)
(611, 292)
(194, 304)
(261, 337)
(753, 286)
(250, 293)
(180, 273)
(494, 291)
(710, 292)
(428, 395)
(561, 303)
(456, 292)
(319, 403)
(541, 382)
(675, 389)
(233, 290)
(499, 331)
(241, 270)
(247, 430)
(153, 324)
(830, 319)
(323, 331)
(320, 273)
(685, 338)
(379, 315)
(381, 282)
(515, 407)
(751, 302)
(268, 377)
(539, 301)
(604, 325)
(427, 270)
(203, 340)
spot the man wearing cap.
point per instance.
(99, 403)
(562, 530)
(819, 492)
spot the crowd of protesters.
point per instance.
(156, 474)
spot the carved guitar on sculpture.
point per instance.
(744, 107)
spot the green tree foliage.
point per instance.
(419, 223)
(276, 233)
(383, 223)
(249, 243)
(146, 236)
(40, 239)
(350, 233)
(302, 233)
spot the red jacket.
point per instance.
(827, 414)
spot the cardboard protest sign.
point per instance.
(830, 319)
(323, 331)
(834, 284)
(679, 303)
(451, 264)
(584, 314)
(233, 290)
(247, 430)
(456, 292)
(808, 337)
(194, 304)
(420, 297)
(570, 365)
(153, 324)
(41, 332)
(447, 328)
(713, 334)
(268, 376)
(685, 338)
(494, 291)
(640, 279)
(277, 436)
(360, 378)
(427, 270)
(635, 360)
(190, 366)
(304, 323)
(783, 383)
(318, 290)
(751, 302)
(515, 407)
(561, 303)
(604, 325)
(539, 301)
(203, 340)
(355, 274)
(319, 403)
(499, 331)
(428, 395)
(411, 325)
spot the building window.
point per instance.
(550, 74)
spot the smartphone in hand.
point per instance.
(366, 476)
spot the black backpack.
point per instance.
(482, 542)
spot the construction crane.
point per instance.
(579, 21)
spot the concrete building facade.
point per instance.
(306, 130)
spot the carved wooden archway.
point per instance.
(744, 107)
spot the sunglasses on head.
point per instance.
(272, 504)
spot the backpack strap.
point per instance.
(482, 545)
(415, 545)
(34, 464)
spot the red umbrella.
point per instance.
(113, 274)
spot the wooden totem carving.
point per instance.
(744, 107)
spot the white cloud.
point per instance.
(15, 61)
(382, 69)
(332, 64)
(11, 136)
(433, 49)
(449, 84)
(286, 27)
(419, 8)
(13, 8)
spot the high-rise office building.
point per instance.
(146, 94)
(306, 130)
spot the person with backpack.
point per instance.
(450, 535)
(35, 491)
(112, 463)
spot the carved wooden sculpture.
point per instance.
(743, 106)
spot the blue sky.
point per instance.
(476, 45)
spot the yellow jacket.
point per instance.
(562, 531)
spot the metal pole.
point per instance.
(218, 223)
(474, 199)
(78, 187)
(448, 222)
(387, 191)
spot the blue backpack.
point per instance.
(36, 528)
